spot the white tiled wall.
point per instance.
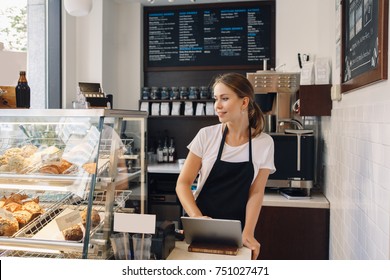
(357, 180)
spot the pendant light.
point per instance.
(78, 8)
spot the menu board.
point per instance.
(361, 37)
(238, 35)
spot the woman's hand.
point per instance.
(250, 242)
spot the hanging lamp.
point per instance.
(78, 8)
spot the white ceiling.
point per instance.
(178, 2)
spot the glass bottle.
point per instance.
(165, 150)
(22, 91)
(171, 151)
(160, 157)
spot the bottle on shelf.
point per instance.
(171, 151)
(165, 150)
(22, 91)
(160, 157)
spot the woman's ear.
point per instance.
(245, 103)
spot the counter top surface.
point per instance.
(171, 168)
(316, 200)
(273, 198)
(180, 252)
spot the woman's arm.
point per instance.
(253, 207)
(187, 176)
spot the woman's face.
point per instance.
(228, 105)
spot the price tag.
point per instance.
(69, 220)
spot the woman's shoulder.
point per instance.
(264, 137)
(211, 129)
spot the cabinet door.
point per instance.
(289, 233)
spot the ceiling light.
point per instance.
(78, 8)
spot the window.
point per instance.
(13, 25)
(36, 49)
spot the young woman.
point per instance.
(233, 160)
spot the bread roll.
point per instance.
(95, 218)
(74, 233)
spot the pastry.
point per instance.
(12, 152)
(2, 201)
(23, 217)
(32, 206)
(3, 160)
(50, 169)
(73, 233)
(28, 150)
(17, 197)
(8, 226)
(16, 163)
(12, 206)
(95, 218)
(64, 165)
(90, 167)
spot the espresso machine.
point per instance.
(276, 93)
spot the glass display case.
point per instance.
(63, 174)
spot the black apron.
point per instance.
(225, 193)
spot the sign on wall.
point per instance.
(364, 42)
(240, 34)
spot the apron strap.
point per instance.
(250, 144)
(223, 143)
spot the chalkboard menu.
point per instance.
(224, 35)
(361, 37)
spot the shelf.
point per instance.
(180, 116)
(315, 100)
(176, 100)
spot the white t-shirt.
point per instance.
(206, 146)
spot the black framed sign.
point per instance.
(364, 42)
(237, 35)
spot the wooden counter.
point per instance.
(181, 253)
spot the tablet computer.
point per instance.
(212, 230)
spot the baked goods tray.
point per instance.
(28, 242)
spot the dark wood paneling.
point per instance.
(185, 78)
(289, 233)
(315, 100)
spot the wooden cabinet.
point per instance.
(293, 233)
(315, 100)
